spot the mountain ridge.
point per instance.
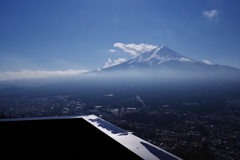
(159, 57)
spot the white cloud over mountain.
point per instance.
(207, 62)
(112, 50)
(135, 49)
(111, 62)
(210, 14)
(37, 74)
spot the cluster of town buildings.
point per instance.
(168, 127)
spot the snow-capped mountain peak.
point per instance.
(160, 55)
(166, 62)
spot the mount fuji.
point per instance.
(153, 58)
(159, 55)
(164, 61)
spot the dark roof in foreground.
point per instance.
(81, 137)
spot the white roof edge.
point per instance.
(137, 145)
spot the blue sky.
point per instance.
(64, 37)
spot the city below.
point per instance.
(205, 130)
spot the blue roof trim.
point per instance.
(109, 126)
(158, 153)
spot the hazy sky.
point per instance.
(64, 37)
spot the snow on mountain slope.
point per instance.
(159, 55)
